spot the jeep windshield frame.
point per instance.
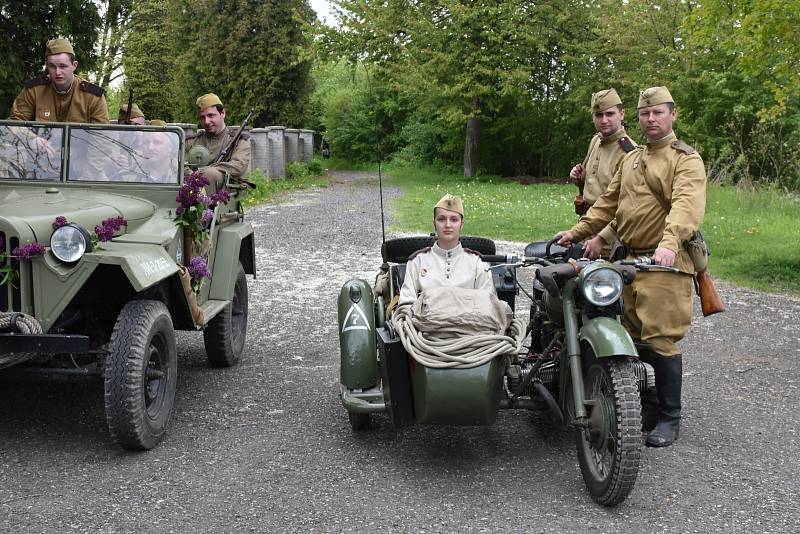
(91, 153)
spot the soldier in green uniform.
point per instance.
(215, 137)
(136, 116)
(59, 95)
(658, 198)
(605, 153)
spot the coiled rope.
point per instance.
(22, 324)
(458, 351)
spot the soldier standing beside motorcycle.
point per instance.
(658, 198)
(606, 150)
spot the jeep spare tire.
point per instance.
(141, 374)
(398, 250)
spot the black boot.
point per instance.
(649, 397)
(669, 374)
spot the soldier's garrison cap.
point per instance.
(58, 46)
(157, 122)
(654, 96)
(135, 112)
(206, 101)
(603, 100)
(452, 203)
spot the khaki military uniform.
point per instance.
(658, 198)
(444, 268)
(601, 162)
(237, 164)
(40, 101)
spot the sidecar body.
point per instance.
(377, 374)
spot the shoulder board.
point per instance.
(417, 253)
(192, 136)
(626, 144)
(470, 251)
(42, 79)
(245, 136)
(91, 88)
(683, 147)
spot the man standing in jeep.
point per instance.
(215, 136)
(59, 95)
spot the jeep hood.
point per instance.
(37, 209)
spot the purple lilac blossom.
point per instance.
(198, 268)
(59, 222)
(207, 217)
(220, 197)
(105, 230)
(26, 252)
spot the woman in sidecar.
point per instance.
(446, 263)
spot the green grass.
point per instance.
(267, 189)
(754, 236)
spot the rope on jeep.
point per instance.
(458, 351)
(21, 324)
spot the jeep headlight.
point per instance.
(70, 242)
(601, 286)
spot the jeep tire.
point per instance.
(225, 334)
(141, 374)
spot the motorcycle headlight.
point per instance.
(601, 286)
(70, 242)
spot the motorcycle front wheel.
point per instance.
(609, 449)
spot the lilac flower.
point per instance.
(198, 268)
(26, 252)
(207, 217)
(115, 222)
(220, 197)
(103, 232)
(59, 222)
(106, 229)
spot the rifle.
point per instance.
(226, 152)
(130, 105)
(710, 301)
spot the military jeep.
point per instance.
(91, 266)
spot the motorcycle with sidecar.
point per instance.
(580, 366)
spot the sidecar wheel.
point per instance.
(610, 449)
(359, 421)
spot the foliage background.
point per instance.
(403, 79)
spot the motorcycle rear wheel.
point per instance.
(609, 450)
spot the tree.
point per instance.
(254, 54)
(27, 26)
(150, 58)
(115, 21)
(470, 55)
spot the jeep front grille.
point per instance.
(11, 293)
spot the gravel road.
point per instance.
(266, 446)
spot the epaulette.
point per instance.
(192, 136)
(417, 253)
(42, 79)
(470, 251)
(686, 148)
(91, 88)
(626, 144)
